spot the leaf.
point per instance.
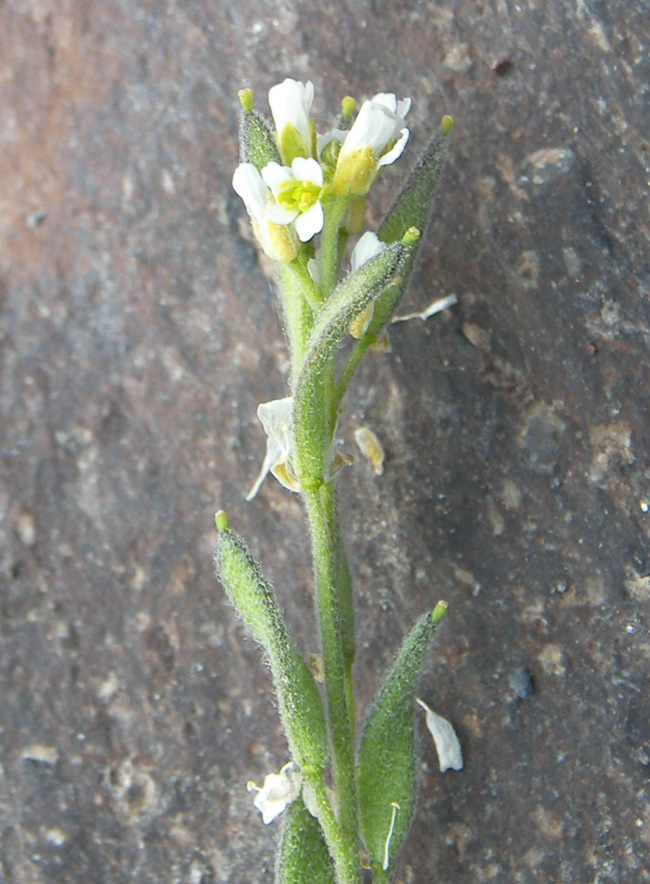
(386, 762)
(303, 857)
(301, 707)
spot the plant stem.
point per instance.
(330, 252)
(344, 853)
(326, 545)
(298, 313)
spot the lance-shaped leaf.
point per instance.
(387, 781)
(257, 143)
(303, 857)
(313, 424)
(411, 209)
(300, 703)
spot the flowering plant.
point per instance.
(345, 807)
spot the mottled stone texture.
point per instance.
(138, 332)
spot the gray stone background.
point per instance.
(139, 331)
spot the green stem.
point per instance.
(321, 507)
(298, 313)
(344, 853)
(330, 252)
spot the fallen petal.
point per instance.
(450, 754)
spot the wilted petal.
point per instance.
(278, 792)
(450, 754)
(275, 417)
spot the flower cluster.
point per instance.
(287, 200)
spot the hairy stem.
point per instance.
(326, 544)
(344, 852)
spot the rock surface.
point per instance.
(138, 333)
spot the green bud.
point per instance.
(256, 136)
(312, 435)
(386, 764)
(348, 107)
(246, 100)
(303, 857)
(300, 702)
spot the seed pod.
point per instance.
(344, 304)
(386, 765)
(303, 857)
(411, 208)
(301, 707)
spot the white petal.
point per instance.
(388, 99)
(279, 214)
(376, 125)
(366, 248)
(307, 169)
(403, 107)
(310, 222)
(248, 184)
(396, 150)
(450, 754)
(290, 103)
(275, 175)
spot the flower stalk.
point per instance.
(305, 194)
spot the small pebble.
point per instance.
(521, 683)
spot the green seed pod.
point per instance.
(411, 208)
(303, 857)
(301, 707)
(257, 143)
(344, 304)
(386, 764)
(412, 205)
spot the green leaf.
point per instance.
(386, 762)
(313, 423)
(257, 143)
(301, 707)
(303, 857)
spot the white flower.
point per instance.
(278, 792)
(450, 754)
(297, 192)
(290, 104)
(377, 138)
(276, 240)
(276, 417)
